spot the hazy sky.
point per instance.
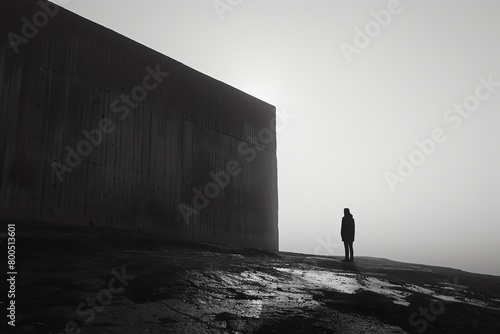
(365, 80)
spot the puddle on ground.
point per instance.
(251, 293)
(387, 289)
(349, 283)
(342, 282)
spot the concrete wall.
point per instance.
(68, 76)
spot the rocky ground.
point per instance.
(92, 280)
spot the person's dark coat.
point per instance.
(347, 229)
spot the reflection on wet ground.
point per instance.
(200, 288)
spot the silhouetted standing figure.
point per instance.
(347, 233)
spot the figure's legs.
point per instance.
(351, 250)
(346, 248)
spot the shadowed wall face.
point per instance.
(96, 128)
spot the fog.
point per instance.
(391, 108)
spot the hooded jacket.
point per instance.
(347, 229)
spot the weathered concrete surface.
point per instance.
(203, 288)
(69, 76)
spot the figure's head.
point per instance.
(347, 212)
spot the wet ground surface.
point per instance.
(90, 280)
